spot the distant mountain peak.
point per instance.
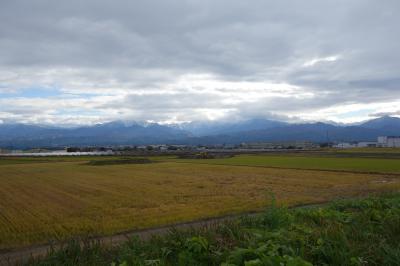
(382, 122)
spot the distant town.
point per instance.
(382, 142)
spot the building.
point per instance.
(367, 144)
(344, 145)
(389, 141)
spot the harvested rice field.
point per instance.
(44, 200)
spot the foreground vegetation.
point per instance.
(347, 232)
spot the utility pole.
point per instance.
(327, 136)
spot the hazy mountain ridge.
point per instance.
(121, 133)
(217, 127)
(387, 122)
(113, 133)
(315, 132)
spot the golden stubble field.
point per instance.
(40, 202)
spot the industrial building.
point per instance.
(345, 145)
(389, 141)
(383, 142)
(367, 144)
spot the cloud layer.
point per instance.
(74, 62)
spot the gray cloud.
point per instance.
(148, 56)
(395, 113)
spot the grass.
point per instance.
(119, 161)
(367, 150)
(30, 160)
(64, 197)
(308, 162)
(344, 233)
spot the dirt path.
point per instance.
(22, 255)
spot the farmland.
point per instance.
(310, 162)
(44, 199)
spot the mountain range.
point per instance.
(211, 132)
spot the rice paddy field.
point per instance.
(51, 199)
(302, 161)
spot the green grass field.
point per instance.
(308, 162)
(366, 150)
(43, 199)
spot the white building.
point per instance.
(367, 144)
(344, 145)
(389, 141)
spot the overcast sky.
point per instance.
(83, 62)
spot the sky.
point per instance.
(84, 62)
